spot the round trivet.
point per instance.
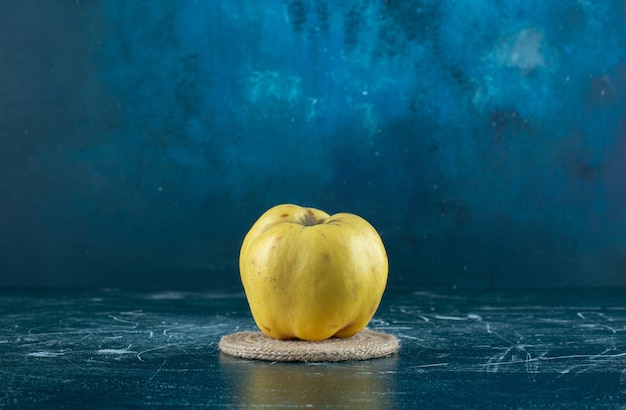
(367, 344)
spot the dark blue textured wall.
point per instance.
(486, 140)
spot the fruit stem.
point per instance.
(309, 218)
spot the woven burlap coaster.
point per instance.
(367, 344)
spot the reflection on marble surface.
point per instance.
(365, 385)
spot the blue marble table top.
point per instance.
(114, 348)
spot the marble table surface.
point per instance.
(109, 348)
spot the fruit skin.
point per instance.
(311, 276)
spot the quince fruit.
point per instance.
(311, 276)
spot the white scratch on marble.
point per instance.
(117, 319)
(432, 365)
(157, 371)
(442, 317)
(117, 351)
(550, 358)
(151, 350)
(46, 354)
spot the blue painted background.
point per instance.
(485, 140)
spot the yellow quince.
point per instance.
(311, 276)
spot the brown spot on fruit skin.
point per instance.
(267, 328)
(284, 215)
(276, 241)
